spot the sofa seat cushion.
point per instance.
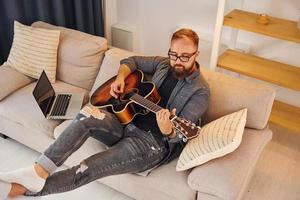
(164, 183)
(11, 80)
(22, 108)
(79, 55)
(226, 178)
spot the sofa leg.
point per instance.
(3, 136)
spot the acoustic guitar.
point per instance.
(139, 97)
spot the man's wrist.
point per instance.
(171, 134)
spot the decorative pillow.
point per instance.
(34, 50)
(79, 55)
(215, 139)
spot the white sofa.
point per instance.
(81, 67)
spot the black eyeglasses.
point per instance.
(184, 58)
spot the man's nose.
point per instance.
(178, 61)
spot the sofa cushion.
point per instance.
(61, 127)
(110, 66)
(215, 139)
(164, 183)
(11, 80)
(22, 108)
(79, 55)
(226, 178)
(34, 50)
(228, 94)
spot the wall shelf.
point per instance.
(285, 75)
(286, 116)
(264, 69)
(277, 28)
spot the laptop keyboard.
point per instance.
(61, 105)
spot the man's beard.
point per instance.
(180, 72)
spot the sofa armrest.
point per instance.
(11, 80)
(227, 177)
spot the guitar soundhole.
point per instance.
(128, 94)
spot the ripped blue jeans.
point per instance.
(131, 150)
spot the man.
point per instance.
(145, 143)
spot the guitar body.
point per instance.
(124, 108)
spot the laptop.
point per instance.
(56, 105)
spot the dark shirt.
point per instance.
(148, 122)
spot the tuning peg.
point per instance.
(184, 139)
(180, 135)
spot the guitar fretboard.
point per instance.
(187, 129)
(145, 103)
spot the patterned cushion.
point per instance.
(34, 50)
(79, 55)
(215, 139)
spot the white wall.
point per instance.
(153, 22)
(156, 20)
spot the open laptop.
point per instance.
(56, 105)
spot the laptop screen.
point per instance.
(44, 93)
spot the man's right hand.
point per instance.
(117, 87)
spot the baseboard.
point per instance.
(3, 136)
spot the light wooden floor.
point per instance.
(277, 174)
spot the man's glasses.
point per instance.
(184, 58)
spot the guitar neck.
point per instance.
(149, 105)
(185, 128)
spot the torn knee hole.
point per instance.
(82, 118)
(83, 166)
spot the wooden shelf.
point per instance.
(288, 76)
(277, 28)
(286, 116)
(260, 68)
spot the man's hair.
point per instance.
(186, 33)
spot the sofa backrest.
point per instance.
(79, 55)
(228, 94)
(110, 66)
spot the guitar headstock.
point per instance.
(187, 130)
